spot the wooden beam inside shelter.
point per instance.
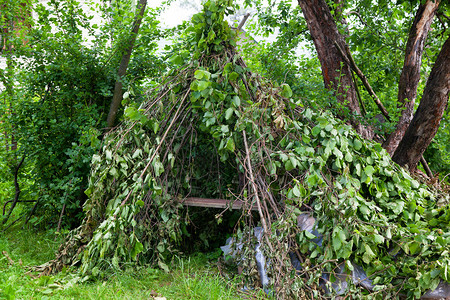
(213, 203)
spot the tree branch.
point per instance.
(241, 24)
(347, 56)
(17, 187)
(255, 188)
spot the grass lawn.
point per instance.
(194, 277)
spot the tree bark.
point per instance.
(409, 79)
(118, 93)
(336, 74)
(428, 116)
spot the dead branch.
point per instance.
(19, 201)
(60, 218)
(241, 24)
(11, 262)
(17, 187)
(426, 167)
(351, 62)
(255, 190)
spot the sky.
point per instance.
(183, 10)
(178, 12)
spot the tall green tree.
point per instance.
(63, 90)
(15, 19)
(327, 39)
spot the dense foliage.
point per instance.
(213, 128)
(60, 94)
(214, 119)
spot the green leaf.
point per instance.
(379, 239)
(364, 209)
(158, 167)
(349, 265)
(155, 126)
(309, 235)
(202, 85)
(211, 36)
(316, 130)
(347, 250)
(312, 180)
(413, 247)
(322, 121)
(329, 127)
(228, 113)
(338, 153)
(137, 153)
(369, 170)
(272, 168)
(336, 241)
(286, 91)
(233, 76)
(161, 248)
(434, 273)
(288, 165)
(368, 254)
(296, 191)
(348, 157)
(388, 233)
(163, 266)
(194, 87)
(306, 139)
(114, 173)
(131, 113)
(138, 247)
(200, 74)
(230, 145)
(357, 144)
(176, 59)
(89, 191)
(341, 235)
(236, 101)
(358, 169)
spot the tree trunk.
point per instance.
(409, 79)
(8, 82)
(336, 74)
(428, 116)
(117, 97)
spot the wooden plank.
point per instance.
(213, 203)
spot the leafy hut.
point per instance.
(216, 130)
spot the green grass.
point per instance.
(193, 277)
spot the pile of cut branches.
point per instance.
(216, 130)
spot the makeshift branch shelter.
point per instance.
(216, 130)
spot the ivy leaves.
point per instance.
(209, 31)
